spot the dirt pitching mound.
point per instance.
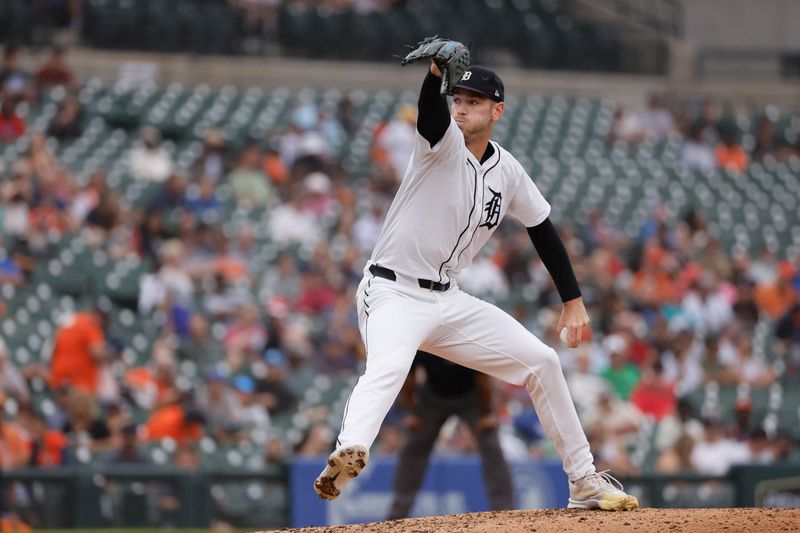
(569, 520)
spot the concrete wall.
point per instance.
(743, 24)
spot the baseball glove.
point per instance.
(451, 57)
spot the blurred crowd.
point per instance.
(673, 313)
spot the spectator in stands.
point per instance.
(47, 445)
(656, 120)
(84, 425)
(715, 454)
(775, 299)
(15, 447)
(248, 411)
(283, 280)
(275, 168)
(677, 459)
(610, 452)
(68, 122)
(55, 72)
(317, 293)
(745, 309)
(783, 447)
(202, 201)
(705, 307)
(714, 368)
(317, 440)
(626, 127)
(787, 330)
(10, 270)
(170, 286)
(88, 197)
(245, 337)
(153, 385)
(128, 451)
(484, 278)
(682, 362)
(216, 399)
(654, 285)
(148, 160)
(585, 385)
(170, 196)
(274, 452)
(367, 227)
(347, 115)
(14, 80)
(763, 268)
(674, 426)
(621, 374)
(748, 368)
(273, 391)
(293, 223)
(614, 417)
(12, 383)
(12, 126)
(332, 132)
(224, 299)
(654, 395)
(79, 350)
(766, 140)
(696, 153)
(729, 153)
(251, 187)
(180, 421)
(212, 163)
(394, 141)
(319, 199)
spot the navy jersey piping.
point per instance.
(366, 330)
(469, 219)
(483, 194)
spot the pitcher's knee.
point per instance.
(394, 371)
(546, 363)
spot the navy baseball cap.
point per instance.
(483, 81)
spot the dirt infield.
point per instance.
(568, 520)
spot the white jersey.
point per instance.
(449, 204)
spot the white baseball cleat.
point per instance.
(600, 490)
(343, 465)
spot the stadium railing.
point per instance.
(146, 496)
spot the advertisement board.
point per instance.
(452, 485)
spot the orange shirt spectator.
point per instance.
(174, 422)
(78, 347)
(731, 156)
(151, 388)
(777, 298)
(51, 452)
(275, 168)
(15, 448)
(47, 445)
(653, 287)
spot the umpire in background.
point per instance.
(448, 389)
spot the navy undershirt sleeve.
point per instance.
(554, 255)
(434, 116)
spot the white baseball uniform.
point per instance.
(448, 205)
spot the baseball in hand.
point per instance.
(563, 336)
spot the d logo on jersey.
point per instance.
(492, 209)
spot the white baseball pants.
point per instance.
(396, 318)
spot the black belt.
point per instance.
(387, 273)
